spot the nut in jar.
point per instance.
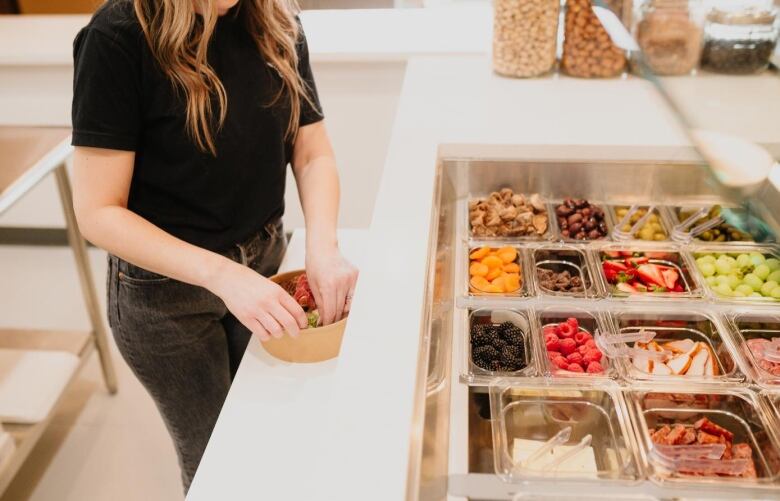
(587, 49)
(524, 36)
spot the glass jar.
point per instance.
(669, 32)
(740, 38)
(524, 36)
(587, 49)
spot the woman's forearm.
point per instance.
(134, 239)
(318, 189)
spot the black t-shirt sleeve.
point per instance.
(106, 111)
(311, 112)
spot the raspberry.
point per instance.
(575, 368)
(582, 350)
(553, 345)
(574, 323)
(593, 356)
(550, 329)
(574, 358)
(582, 337)
(595, 368)
(591, 344)
(566, 330)
(567, 346)
(560, 362)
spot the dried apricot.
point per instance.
(512, 268)
(493, 289)
(500, 283)
(478, 269)
(479, 253)
(479, 283)
(511, 282)
(507, 254)
(494, 273)
(493, 262)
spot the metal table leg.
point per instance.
(85, 278)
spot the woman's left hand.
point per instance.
(332, 279)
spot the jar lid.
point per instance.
(742, 16)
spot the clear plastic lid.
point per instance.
(576, 432)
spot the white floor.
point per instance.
(99, 447)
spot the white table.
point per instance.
(269, 419)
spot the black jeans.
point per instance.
(182, 343)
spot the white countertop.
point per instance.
(333, 35)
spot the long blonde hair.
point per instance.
(179, 41)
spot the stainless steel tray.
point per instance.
(453, 457)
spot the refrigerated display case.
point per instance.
(546, 429)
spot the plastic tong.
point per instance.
(618, 232)
(684, 231)
(558, 439)
(614, 346)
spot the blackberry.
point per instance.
(493, 336)
(495, 365)
(479, 335)
(510, 354)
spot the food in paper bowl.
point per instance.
(642, 272)
(316, 343)
(572, 350)
(495, 271)
(740, 275)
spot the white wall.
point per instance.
(359, 100)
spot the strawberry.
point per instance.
(566, 330)
(574, 358)
(575, 368)
(651, 274)
(670, 277)
(567, 346)
(611, 275)
(582, 337)
(561, 362)
(678, 288)
(634, 262)
(614, 265)
(595, 368)
(612, 254)
(626, 253)
(624, 287)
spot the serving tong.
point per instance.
(684, 232)
(621, 235)
(556, 440)
(614, 346)
(697, 459)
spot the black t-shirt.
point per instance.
(122, 100)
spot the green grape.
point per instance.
(775, 293)
(738, 294)
(753, 281)
(722, 279)
(722, 267)
(712, 280)
(775, 275)
(757, 258)
(707, 269)
(767, 288)
(756, 294)
(762, 271)
(733, 281)
(744, 289)
(723, 290)
(707, 258)
(743, 261)
(773, 263)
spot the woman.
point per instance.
(185, 115)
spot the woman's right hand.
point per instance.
(261, 305)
